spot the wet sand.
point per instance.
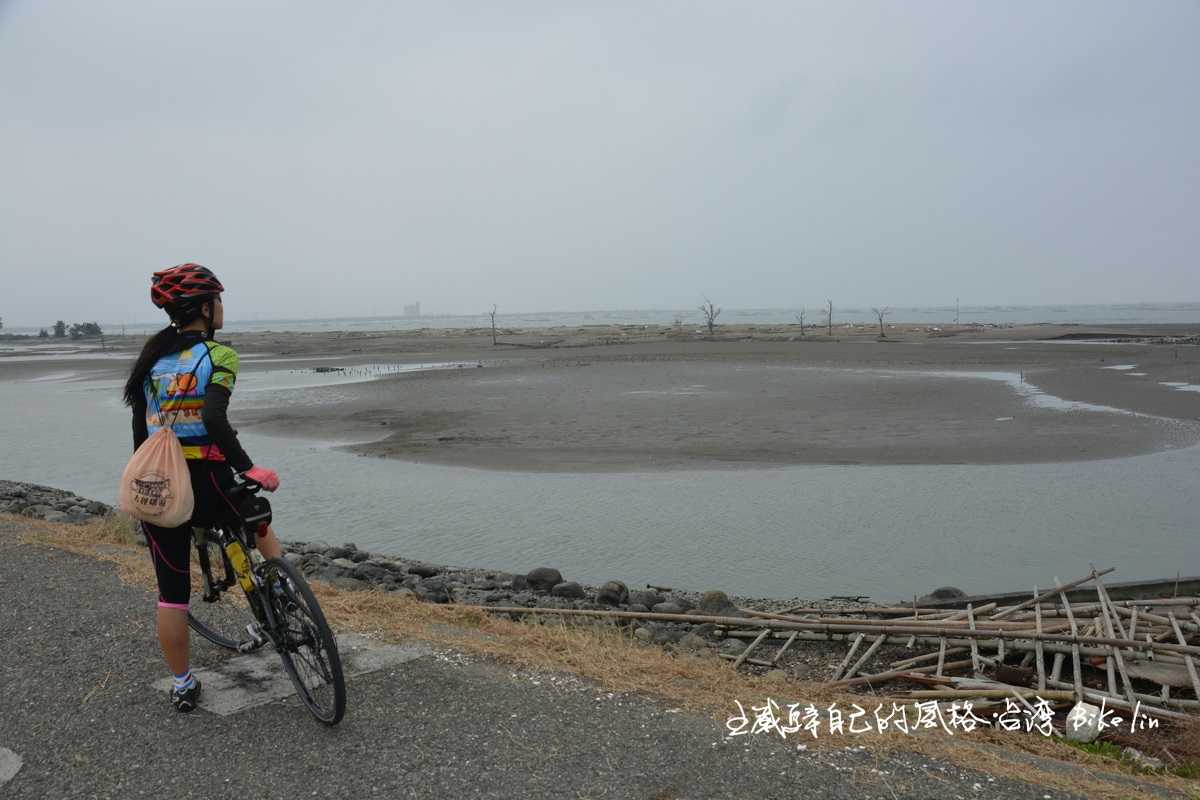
(634, 398)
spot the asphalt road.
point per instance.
(77, 708)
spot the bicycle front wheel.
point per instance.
(308, 648)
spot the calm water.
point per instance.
(807, 531)
(1129, 313)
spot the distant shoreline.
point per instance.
(1019, 315)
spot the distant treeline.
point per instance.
(80, 330)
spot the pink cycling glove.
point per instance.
(269, 478)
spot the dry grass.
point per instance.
(608, 654)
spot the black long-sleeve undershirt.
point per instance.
(215, 417)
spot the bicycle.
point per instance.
(284, 611)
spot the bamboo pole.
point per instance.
(1110, 614)
(1078, 677)
(974, 644)
(1191, 666)
(981, 624)
(779, 654)
(884, 677)
(837, 673)
(941, 662)
(1039, 652)
(1056, 668)
(1099, 625)
(875, 645)
(1051, 593)
(911, 662)
(750, 647)
(1022, 694)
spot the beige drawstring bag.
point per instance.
(156, 486)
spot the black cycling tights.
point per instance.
(170, 548)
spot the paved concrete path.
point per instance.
(80, 717)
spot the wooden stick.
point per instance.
(941, 662)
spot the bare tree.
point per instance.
(492, 314)
(880, 313)
(829, 318)
(800, 319)
(711, 313)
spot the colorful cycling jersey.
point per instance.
(177, 384)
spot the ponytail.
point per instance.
(165, 342)
(168, 340)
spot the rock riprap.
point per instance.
(45, 502)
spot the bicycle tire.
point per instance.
(221, 622)
(306, 627)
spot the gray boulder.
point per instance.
(645, 597)
(543, 579)
(370, 572)
(939, 594)
(358, 556)
(424, 570)
(338, 552)
(567, 589)
(717, 604)
(317, 548)
(732, 647)
(613, 593)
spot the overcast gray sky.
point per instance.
(334, 159)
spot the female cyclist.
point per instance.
(182, 371)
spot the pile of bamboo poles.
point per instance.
(1127, 654)
(1131, 654)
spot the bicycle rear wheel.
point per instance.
(309, 650)
(223, 621)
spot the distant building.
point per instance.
(413, 310)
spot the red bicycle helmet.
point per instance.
(182, 283)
